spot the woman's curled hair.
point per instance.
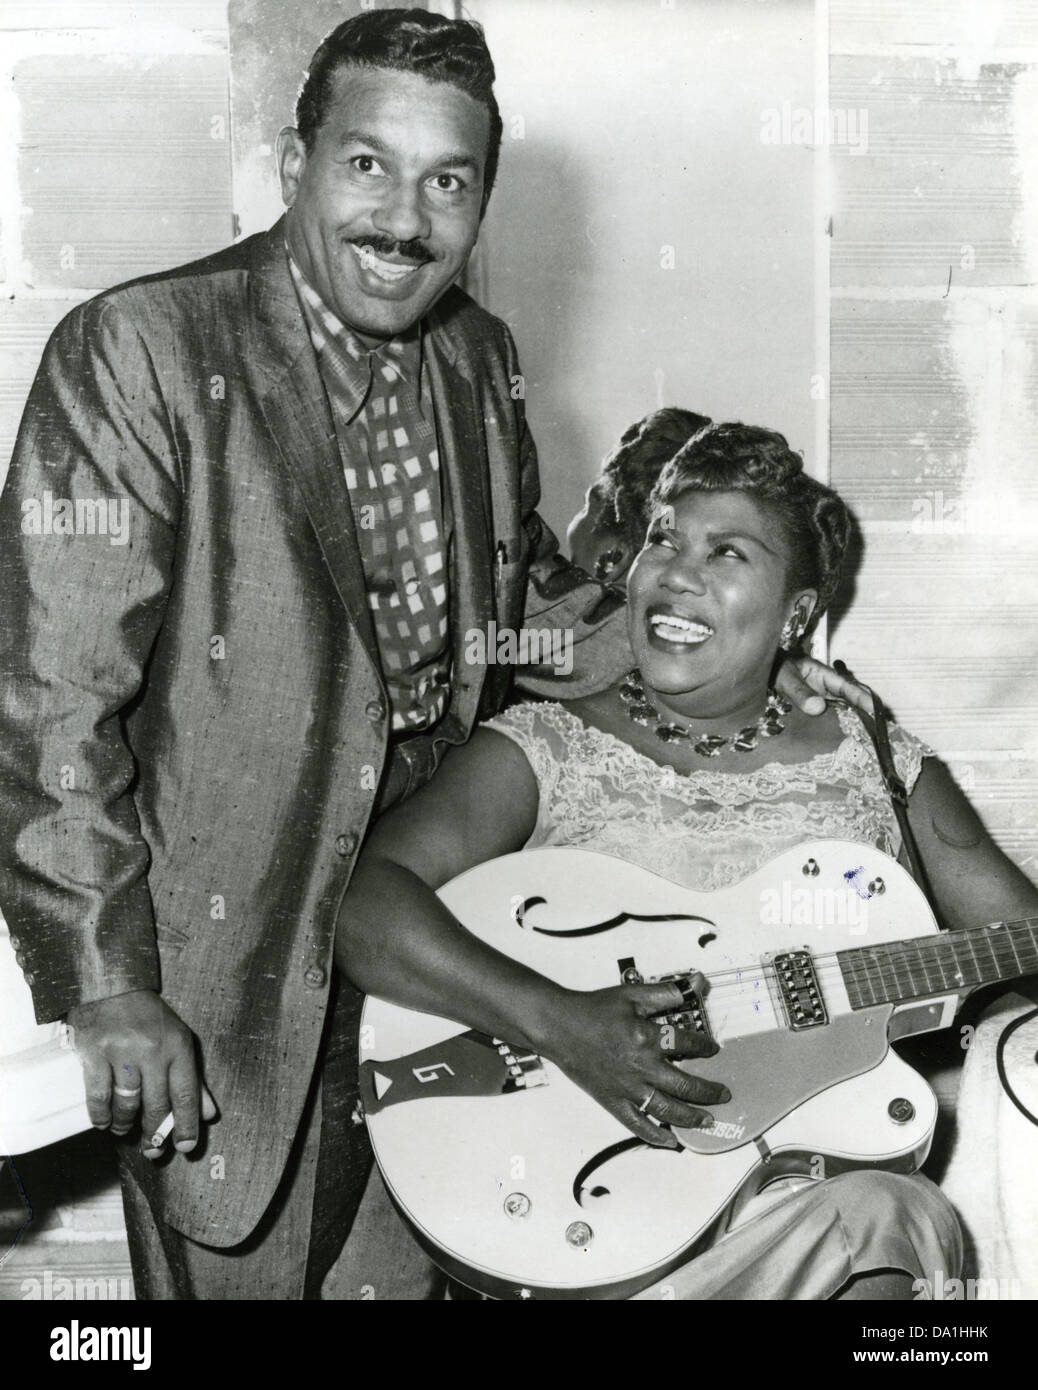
(745, 458)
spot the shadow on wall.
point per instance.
(553, 351)
(645, 245)
(843, 600)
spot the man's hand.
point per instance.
(809, 683)
(607, 1043)
(138, 1056)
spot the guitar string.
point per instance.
(735, 1016)
(731, 1015)
(828, 971)
(948, 941)
(745, 1008)
(953, 973)
(869, 973)
(941, 948)
(872, 968)
(941, 953)
(869, 966)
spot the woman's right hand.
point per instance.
(608, 1043)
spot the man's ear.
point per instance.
(617, 559)
(291, 157)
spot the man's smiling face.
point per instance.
(385, 208)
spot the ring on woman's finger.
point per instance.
(643, 1108)
(124, 1091)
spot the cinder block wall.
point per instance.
(116, 159)
(115, 162)
(934, 331)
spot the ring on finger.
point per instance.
(643, 1108)
(130, 1092)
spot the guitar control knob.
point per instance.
(517, 1205)
(877, 886)
(901, 1110)
(810, 869)
(579, 1234)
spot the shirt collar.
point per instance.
(354, 363)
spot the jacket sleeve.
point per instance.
(88, 522)
(562, 597)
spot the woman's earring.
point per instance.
(790, 634)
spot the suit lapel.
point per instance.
(298, 418)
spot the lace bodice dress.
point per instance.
(708, 828)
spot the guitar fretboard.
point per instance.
(924, 966)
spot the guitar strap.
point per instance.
(877, 727)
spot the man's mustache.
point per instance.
(413, 250)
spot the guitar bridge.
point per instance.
(798, 987)
(690, 1017)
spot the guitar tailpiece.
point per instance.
(527, 1070)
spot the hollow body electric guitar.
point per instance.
(521, 1185)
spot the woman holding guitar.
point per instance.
(691, 767)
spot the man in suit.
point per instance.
(319, 448)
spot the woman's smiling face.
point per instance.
(708, 598)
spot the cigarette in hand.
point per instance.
(165, 1129)
(163, 1132)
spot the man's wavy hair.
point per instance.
(814, 520)
(440, 50)
(632, 469)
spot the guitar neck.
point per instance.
(923, 967)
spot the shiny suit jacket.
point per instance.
(193, 723)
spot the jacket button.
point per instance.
(345, 844)
(315, 976)
(375, 710)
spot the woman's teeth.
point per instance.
(385, 270)
(682, 630)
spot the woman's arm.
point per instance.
(395, 938)
(972, 881)
(482, 803)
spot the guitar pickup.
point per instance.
(690, 1017)
(798, 986)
